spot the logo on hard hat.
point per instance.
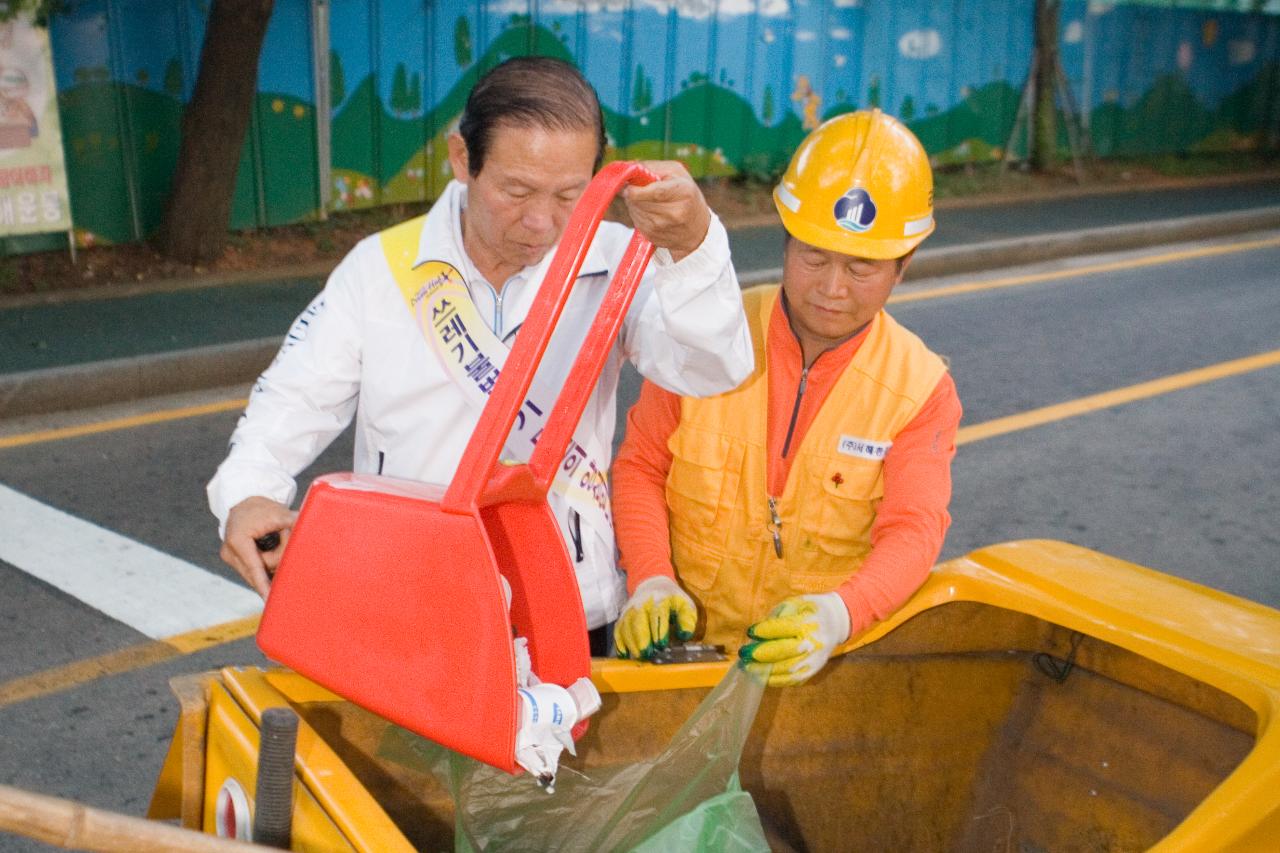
(855, 211)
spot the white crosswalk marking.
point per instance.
(152, 592)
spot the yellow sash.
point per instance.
(436, 294)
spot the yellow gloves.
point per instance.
(796, 640)
(646, 620)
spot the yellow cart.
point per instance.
(1032, 695)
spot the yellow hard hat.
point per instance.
(860, 185)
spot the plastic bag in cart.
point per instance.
(685, 798)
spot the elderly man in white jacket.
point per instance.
(416, 380)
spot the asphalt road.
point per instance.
(1181, 481)
(72, 332)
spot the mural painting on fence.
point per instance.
(729, 88)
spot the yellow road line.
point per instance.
(1118, 397)
(215, 635)
(121, 423)
(124, 660)
(79, 672)
(1114, 266)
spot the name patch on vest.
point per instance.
(863, 448)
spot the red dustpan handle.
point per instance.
(476, 481)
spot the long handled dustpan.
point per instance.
(388, 592)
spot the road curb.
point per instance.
(118, 380)
(1089, 241)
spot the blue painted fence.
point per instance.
(729, 87)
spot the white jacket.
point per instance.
(356, 350)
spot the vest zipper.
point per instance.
(795, 411)
(775, 522)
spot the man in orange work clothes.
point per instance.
(811, 501)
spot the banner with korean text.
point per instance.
(33, 176)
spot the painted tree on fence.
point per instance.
(173, 79)
(642, 94)
(462, 41)
(337, 80)
(399, 90)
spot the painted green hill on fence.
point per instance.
(122, 139)
(713, 127)
(275, 182)
(400, 140)
(99, 150)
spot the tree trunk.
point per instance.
(198, 211)
(1044, 144)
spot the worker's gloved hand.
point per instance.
(796, 640)
(647, 620)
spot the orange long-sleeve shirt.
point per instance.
(912, 518)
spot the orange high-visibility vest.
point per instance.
(722, 540)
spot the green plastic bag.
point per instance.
(685, 798)
(726, 822)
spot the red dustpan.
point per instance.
(388, 592)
